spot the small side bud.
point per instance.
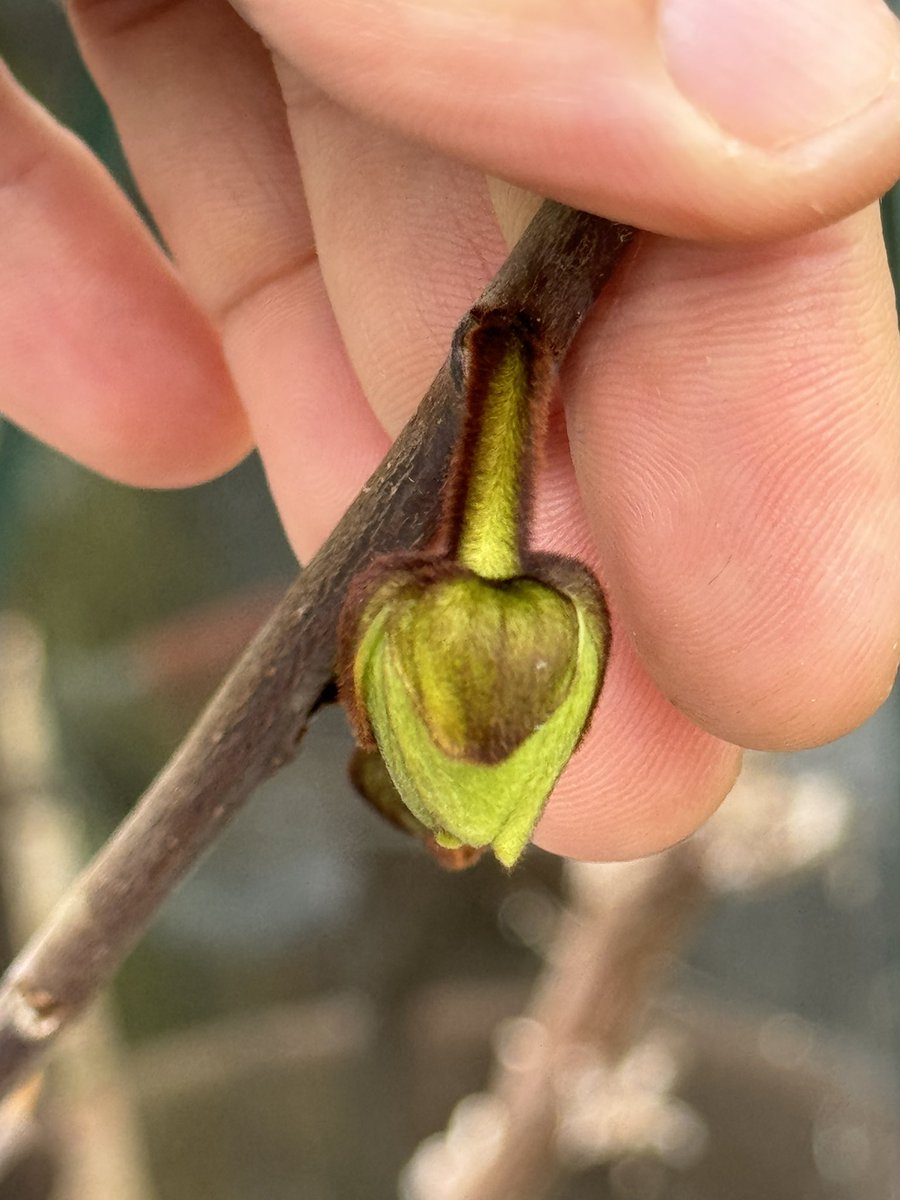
(373, 782)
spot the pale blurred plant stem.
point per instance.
(93, 1122)
(622, 930)
(257, 719)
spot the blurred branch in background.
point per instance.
(189, 649)
(222, 1053)
(579, 1080)
(93, 1121)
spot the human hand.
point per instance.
(731, 463)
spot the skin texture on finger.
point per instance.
(645, 776)
(610, 106)
(104, 356)
(203, 123)
(403, 256)
(736, 434)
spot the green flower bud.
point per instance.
(477, 691)
(474, 670)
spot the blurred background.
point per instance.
(309, 1011)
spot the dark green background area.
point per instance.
(308, 895)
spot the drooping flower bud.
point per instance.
(474, 669)
(476, 692)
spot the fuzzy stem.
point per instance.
(492, 473)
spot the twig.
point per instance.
(257, 719)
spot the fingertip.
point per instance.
(808, 684)
(657, 809)
(113, 366)
(105, 356)
(740, 473)
(197, 433)
(644, 778)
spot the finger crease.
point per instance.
(241, 298)
(124, 16)
(19, 173)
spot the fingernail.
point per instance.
(773, 72)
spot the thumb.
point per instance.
(696, 118)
